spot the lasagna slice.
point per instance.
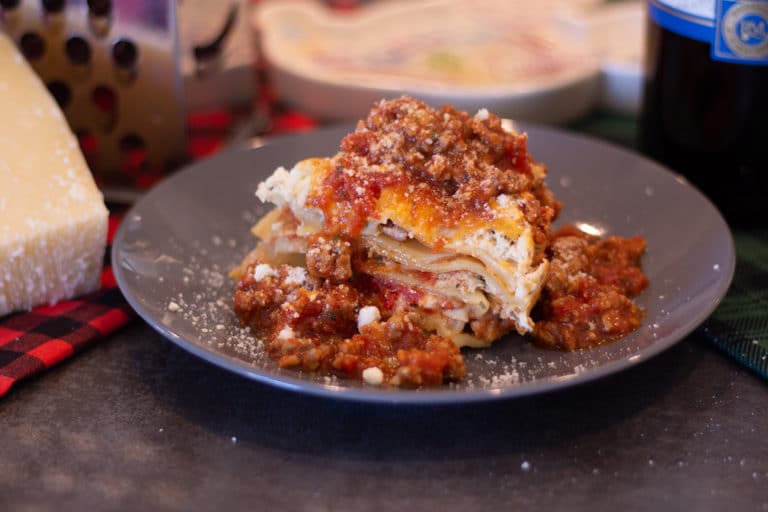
(435, 216)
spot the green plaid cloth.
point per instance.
(739, 326)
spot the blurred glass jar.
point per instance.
(705, 102)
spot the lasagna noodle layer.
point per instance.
(461, 288)
(498, 247)
(457, 279)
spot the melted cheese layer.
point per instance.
(498, 247)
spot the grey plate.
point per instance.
(175, 246)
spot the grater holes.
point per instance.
(78, 50)
(100, 7)
(89, 145)
(9, 4)
(60, 92)
(125, 54)
(104, 99)
(99, 17)
(54, 6)
(133, 152)
(32, 46)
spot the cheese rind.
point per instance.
(53, 222)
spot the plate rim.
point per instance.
(282, 379)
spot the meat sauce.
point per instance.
(313, 325)
(454, 164)
(587, 297)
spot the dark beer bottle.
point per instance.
(705, 104)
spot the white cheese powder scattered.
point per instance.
(296, 275)
(286, 333)
(367, 315)
(262, 271)
(373, 376)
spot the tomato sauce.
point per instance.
(586, 300)
(440, 168)
(445, 158)
(313, 325)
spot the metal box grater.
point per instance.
(113, 67)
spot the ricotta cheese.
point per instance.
(367, 315)
(373, 376)
(263, 271)
(53, 222)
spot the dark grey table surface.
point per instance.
(136, 423)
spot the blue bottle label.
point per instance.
(736, 30)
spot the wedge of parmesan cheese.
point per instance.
(53, 221)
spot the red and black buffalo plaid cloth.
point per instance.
(34, 341)
(31, 342)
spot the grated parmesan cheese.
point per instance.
(367, 315)
(53, 222)
(296, 275)
(373, 376)
(263, 271)
(482, 114)
(286, 333)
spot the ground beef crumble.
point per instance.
(314, 325)
(449, 159)
(456, 164)
(329, 257)
(587, 297)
